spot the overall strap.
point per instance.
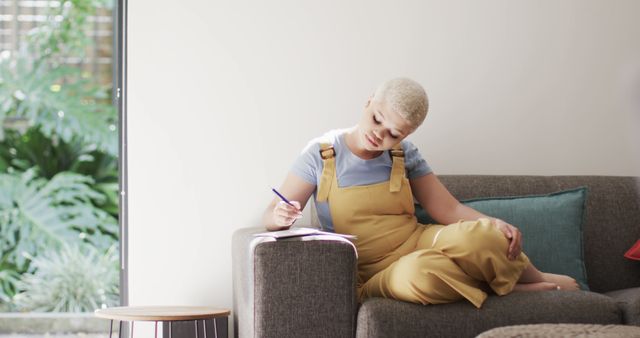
(328, 155)
(397, 168)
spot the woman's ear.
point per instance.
(368, 101)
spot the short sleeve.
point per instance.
(308, 164)
(415, 165)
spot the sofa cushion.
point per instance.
(634, 252)
(551, 227)
(379, 317)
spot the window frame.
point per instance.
(120, 100)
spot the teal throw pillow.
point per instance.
(551, 227)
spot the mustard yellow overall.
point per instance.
(401, 259)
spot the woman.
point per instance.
(364, 180)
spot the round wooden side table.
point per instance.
(157, 314)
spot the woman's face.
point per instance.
(382, 128)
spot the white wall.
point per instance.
(224, 94)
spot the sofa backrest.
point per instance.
(611, 224)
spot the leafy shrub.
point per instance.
(37, 214)
(73, 279)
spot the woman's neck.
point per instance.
(353, 143)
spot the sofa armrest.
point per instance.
(629, 302)
(295, 287)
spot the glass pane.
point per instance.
(59, 233)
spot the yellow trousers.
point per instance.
(465, 260)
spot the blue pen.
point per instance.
(283, 198)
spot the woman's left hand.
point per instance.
(513, 234)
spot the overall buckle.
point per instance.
(327, 153)
(396, 153)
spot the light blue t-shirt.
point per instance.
(351, 170)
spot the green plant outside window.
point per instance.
(58, 171)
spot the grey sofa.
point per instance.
(305, 287)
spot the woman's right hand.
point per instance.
(284, 215)
(279, 215)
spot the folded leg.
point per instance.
(480, 250)
(425, 277)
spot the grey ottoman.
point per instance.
(563, 330)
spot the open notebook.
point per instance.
(297, 232)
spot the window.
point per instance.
(59, 156)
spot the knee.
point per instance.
(415, 278)
(481, 235)
(406, 270)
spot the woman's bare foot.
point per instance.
(531, 275)
(564, 282)
(540, 286)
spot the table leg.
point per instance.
(132, 328)
(111, 328)
(156, 336)
(170, 328)
(204, 325)
(215, 328)
(196, 323)
(120, 332)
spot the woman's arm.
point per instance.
(279, 215)
(434, 197)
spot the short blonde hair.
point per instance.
(406, 97)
